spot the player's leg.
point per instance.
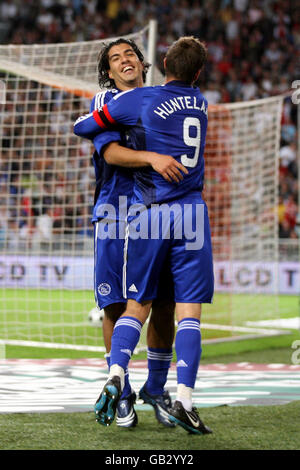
(109, 296)
(161, 332)
(141, 284)
(160, 337)
(188, 352)
(145, 259)
(112, 313)
(125, 337)
(192, 270)
(126, 414)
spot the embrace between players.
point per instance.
(149, 144)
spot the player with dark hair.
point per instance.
(121, 66)
(170, 118)
(104, 78)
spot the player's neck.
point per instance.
(170, 78)
(130, 86)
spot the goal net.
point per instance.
(46, 198)
(241, 191)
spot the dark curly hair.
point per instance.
(103, 63)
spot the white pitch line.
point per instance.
(209, 326)
(242, 329)
(23, 409)
(14, 342)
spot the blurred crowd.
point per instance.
(253, 49)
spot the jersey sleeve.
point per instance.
(123, 109)
(103, 138)
(82, 126)
(92, 104)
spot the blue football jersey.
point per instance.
(169, 119)
(111, 181)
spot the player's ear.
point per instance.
(142, 66)
(110, 74)
(165, 63)
(196, 76)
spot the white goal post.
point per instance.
(46, 196)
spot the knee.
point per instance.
(137, 310)
(114, 311)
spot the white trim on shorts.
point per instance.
(125, 253)
(95, 259)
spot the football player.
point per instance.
(121, 67)
(165, 119)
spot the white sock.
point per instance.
(184, 395)
(116, 370)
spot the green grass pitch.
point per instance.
(62, 315)
(234, 428)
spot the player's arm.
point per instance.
(120, 110)
(99, 139)
(87, 125)
(169, 168)
(124, 109)
(103, 138)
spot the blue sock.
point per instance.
(127, 387)
(188, 351)
(125, 337)
(159, 361)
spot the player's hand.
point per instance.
(169, 168)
